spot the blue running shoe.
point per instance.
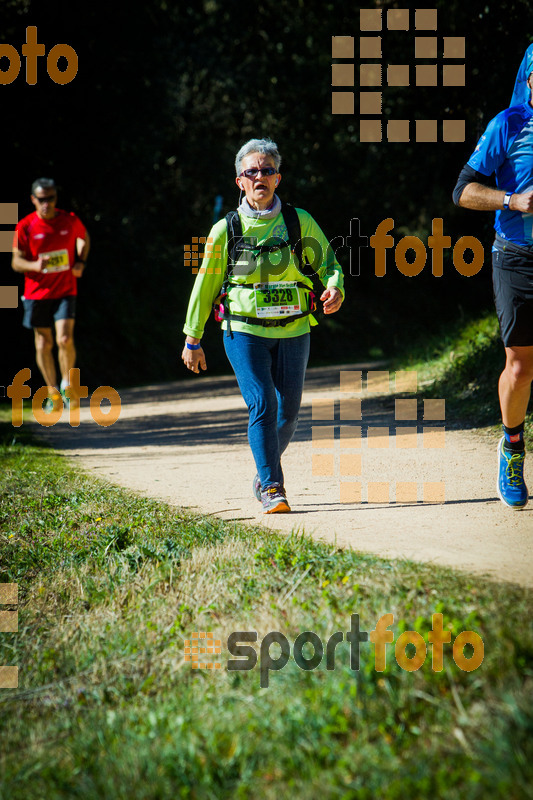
(512, 489)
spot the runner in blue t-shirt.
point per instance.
(506, 151)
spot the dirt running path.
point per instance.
(185, 443)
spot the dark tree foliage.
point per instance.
(143, 140)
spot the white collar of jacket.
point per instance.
(269, 213)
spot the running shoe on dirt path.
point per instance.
(274, 500)
(512, 489)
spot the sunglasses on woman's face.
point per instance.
(253, 172)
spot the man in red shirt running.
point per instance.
(51, 248)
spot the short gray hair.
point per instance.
(43, 183)
(264, 146)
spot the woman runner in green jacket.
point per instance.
(265, 303)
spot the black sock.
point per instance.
(514, 439)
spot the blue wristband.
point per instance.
(192, 346)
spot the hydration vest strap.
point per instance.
(235, 246)
(265, 323)
(235, 236)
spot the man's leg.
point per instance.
(66, 348)
(514, 390)
(515, 385)
(512, 280)
(44, 343)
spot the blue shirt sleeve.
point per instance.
(491, 149)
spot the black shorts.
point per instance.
(512, 279)
(43, 313)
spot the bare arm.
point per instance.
(82, 250)
(21, 264)
(484, 198)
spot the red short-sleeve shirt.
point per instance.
(57, 238)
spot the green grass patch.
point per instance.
(112, 584)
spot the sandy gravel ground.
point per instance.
(185, 443)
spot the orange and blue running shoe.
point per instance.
(274, 500)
